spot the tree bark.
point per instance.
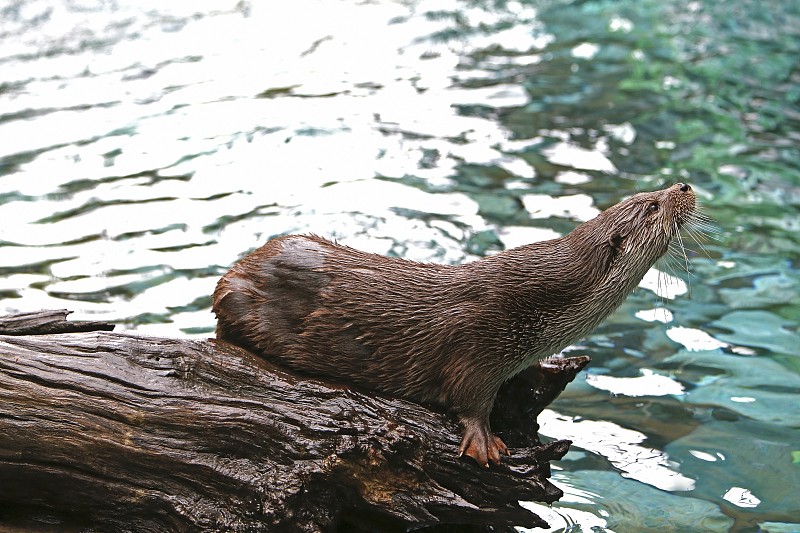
(118, 432)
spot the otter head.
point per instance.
(630, 236)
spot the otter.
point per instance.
(443, 334)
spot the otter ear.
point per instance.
(615, 241)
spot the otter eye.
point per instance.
(652, 207)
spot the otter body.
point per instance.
(450, 334)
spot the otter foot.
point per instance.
(481, 444)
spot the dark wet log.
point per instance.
(116, 432)
(47, 322)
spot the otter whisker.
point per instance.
(661, 291)
(700, 226)
(679, 240)
(671, 262)
(666, 266)
(698, 219)
(672, 257)
(688, 273)
(703, 221)
(677, 251)
(696, 236)
(700, 214)
(703, 227)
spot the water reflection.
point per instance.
(648, 384)
(621, 446)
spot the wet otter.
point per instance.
(450, 334)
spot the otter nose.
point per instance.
(685, 187)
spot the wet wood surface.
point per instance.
(118, 432)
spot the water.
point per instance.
(144, 146)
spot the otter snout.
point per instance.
(683, 200)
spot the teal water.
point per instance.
(145, 145)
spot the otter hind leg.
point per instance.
(480, 443)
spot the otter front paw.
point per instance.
(480, 444)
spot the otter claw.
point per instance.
(480, 444)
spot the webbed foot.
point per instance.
(480, 443)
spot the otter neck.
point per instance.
(609, 272)
(563, 289)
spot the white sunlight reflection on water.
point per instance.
(693, 339)
(622, 447)
(648, 384)
(663, 284)
(562, 519)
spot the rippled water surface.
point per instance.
(144, 146)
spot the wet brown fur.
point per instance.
(450, 334)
